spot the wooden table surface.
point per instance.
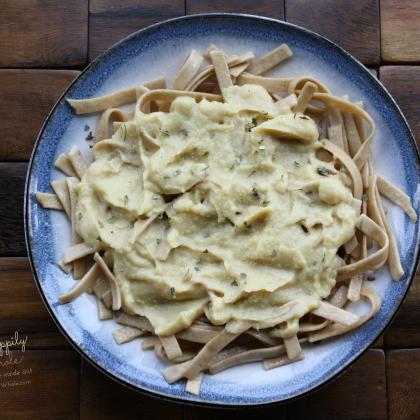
(43, 46)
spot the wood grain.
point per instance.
(12, 182)
(49, 389)
(19, 91)
(352, 24)
(400, 30)
(102, 398)
(404, 84)
(270, 8)
(403, 379)
(277, 412)
(21, 307)
(405, 330)
(43, 33)
(109, 21)
(360, 393)
(50, 340)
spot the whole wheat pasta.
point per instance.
(143, 218)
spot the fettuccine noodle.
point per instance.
(182, 225)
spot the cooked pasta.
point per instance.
(229, 219)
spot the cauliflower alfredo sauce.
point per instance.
(231, 218)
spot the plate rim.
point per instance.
(179, 399)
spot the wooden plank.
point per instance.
(109, 21)
(352, 24)
(277, 412)
(47, 33)
(49, 340)
(271, 8)
(400, 30)
(102, 398)
(21, 307)
(12, 182)
(21, 122)
(403, 380)
(405, 330)
(360, 393)
(43, 385)
(404, 84)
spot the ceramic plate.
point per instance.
(160, 50)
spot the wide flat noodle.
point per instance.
(76, 252)
(101, 103)
(88, 281)
(355, 286)
(221, 69)
(335, 329)
(352, 134)
(104, 313)
(188, 70)
(170, 95)
(208, 71)
(79, 265)
(241, 357)
(200, 362)
(78, 161)
(292, 346)
(49, 201)
(339, 298)
(197, 334)
(305, 97)
(126, 334)
(398, 197)
(349, 164)
(271, 84)
(373, 261)
(139, 322)
(289, 101)
(115, 290)
(364, 151)
(297, 84)
(394, 261)
(331, 312)
(63, 163)
(109, 116)
(270, 60)
(193, 385)
(159, 83)
(280, 361)
(171, 347)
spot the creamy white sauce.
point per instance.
(246, 217)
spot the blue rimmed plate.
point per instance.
(160, 50)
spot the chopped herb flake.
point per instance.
(370, 278)
(163, 131)
(79, 216)
(323, 171)
(304, 228)
(90, 136)
(234, 283)
(173, 292)
(255, 193)
(126, 199)
(243, 275)
(86, 127)
(303, 117)
(296, 163)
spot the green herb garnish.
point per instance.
(323, 171)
